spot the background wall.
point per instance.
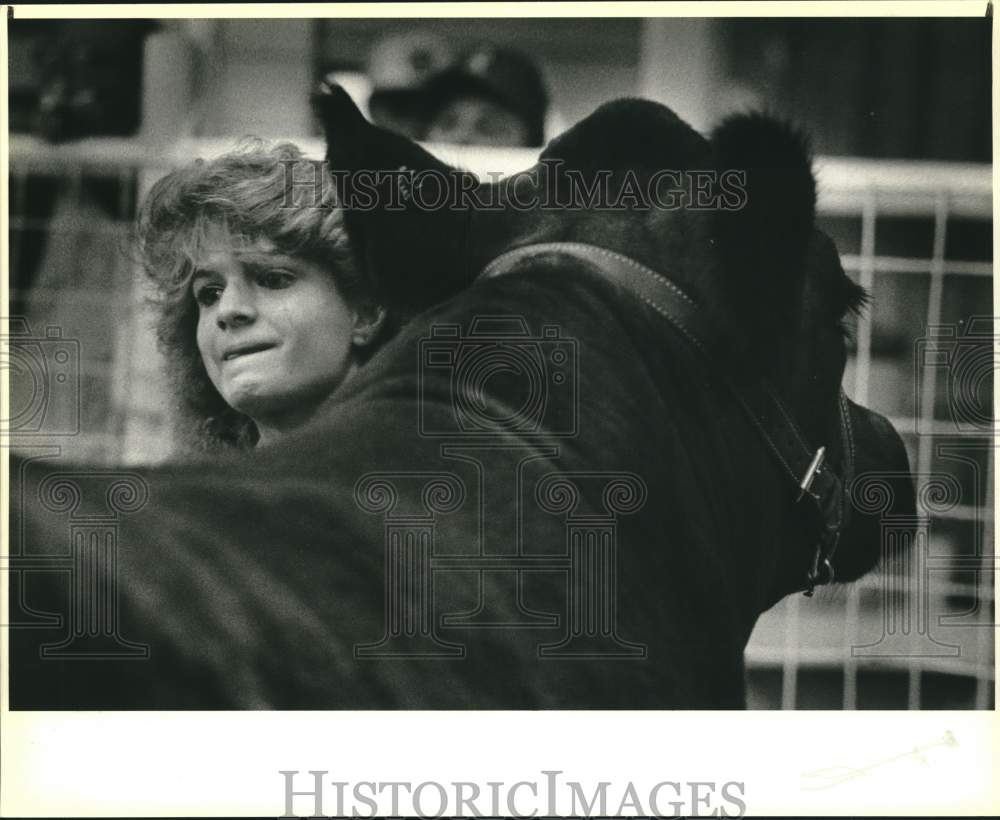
(903, 88)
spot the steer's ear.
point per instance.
(410, 242)
(354, 144)
(764, 237)
(343, 124)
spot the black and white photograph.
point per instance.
(501, 362)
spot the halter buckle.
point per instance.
(814, 467)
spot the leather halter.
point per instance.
(805, 466)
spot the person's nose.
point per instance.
(456, 132)
(462, 136)
(237, 306)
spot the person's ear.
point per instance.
(368, 322)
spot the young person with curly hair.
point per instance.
(262, 311)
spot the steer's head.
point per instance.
(729, 217)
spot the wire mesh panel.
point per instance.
(918, 634)
(73, 281)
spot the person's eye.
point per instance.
(275, 279)
(448, 122)
(207, 295)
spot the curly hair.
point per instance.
(247, 193)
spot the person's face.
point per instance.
(274, 333)
(477, 121)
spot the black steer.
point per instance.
(551, 489)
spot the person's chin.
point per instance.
(254, 398)
(267, 394)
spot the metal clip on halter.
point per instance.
(814, 467)
(822, 570)
(815, 579)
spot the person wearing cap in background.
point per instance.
(491, 96)
(398, 67)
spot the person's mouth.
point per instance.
(248, 349)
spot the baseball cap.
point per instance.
(499, 73)
(399, 65)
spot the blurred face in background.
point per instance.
(477, 120)
(275, 335)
